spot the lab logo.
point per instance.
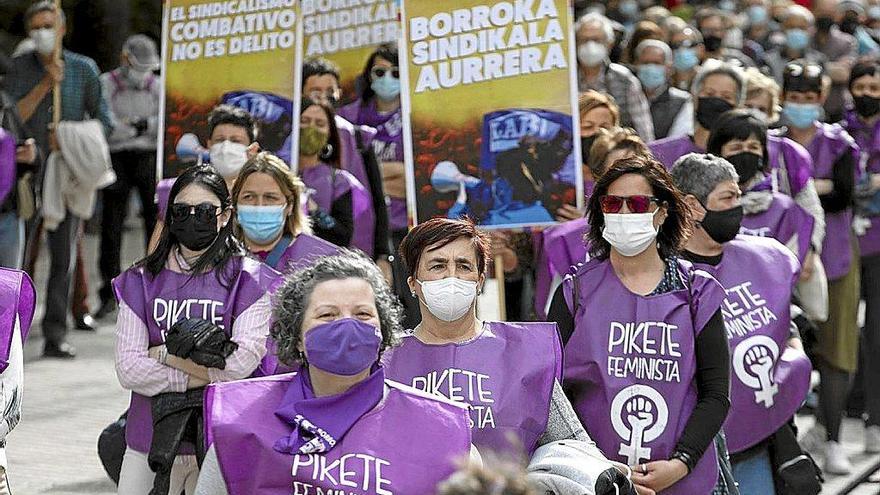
(639, 415)
(753, 361)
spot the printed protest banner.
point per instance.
(488, 111)
(239, 52)
(346, 32)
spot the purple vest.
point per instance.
(630, 365)
(769, 380)
(784, 221)
(163, 300)
(17, 300)
(407, 444)
(669, 150)
(326, 184)
(830, 142)
(304, 250)
(563, 246)
(868, 140)
(7, 163)
(790, 163)
(388, 145)
(364, 228)
(506, 401)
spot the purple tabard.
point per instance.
(506, 401)
(163, 193)
(794, 158)
(868, 139)
(830, 142)
(406, 445)
(630, 366)
(668, 150)
(388, 145)
(304, 250)
(163, 300)
(784, 221)
(563, 247)
(326, 184)
(8, 167)
(769, 380)
(17, 300)
(364, 227)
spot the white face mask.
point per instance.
(592, 53)
(630, 233)
(449, 298)
(44, 40)
(138, 76)
(228, 157)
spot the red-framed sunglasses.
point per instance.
(637, 203)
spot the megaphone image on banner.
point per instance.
(446, 177)
(189, 149)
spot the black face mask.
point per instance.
(866, 106)
(823, 24)
(747, 165)
(586, 144)
(193, 234)
(722, 226)
(709, 109)
(712, 43)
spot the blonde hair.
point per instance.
(757, 83)
(609, 140)
(291, 186)
(590, 100)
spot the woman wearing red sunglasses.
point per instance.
(646, 359)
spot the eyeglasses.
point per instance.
(685, 44)
(381, 71)
(318, 95)
(637, 203)
(204, 212)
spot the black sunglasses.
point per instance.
(204, 212)
(381, 71)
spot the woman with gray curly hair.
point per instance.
(336, 423)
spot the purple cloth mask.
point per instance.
(343, 347)
(320, 422)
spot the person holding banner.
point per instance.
(514, 409)
(197, 279)
(334, 196)
(646, 356)
(337, 420)
(771, 372)
(18, 300)
(269, 221)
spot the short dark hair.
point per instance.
(737, 124)
(332, 154)
(319, 67)
(438, 232)
(232, 115)
(388, 51)
(674, 230)
(803, 76)
(869, 67)
(43, 6)
(292, 299)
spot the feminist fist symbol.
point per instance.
(753, 361)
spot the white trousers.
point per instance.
(136, 477)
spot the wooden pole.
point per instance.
(56, 91)
(499, 278)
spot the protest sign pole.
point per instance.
(499, 278)
(56, 90)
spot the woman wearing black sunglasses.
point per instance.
(646, 359)
(196, 287)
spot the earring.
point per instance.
(326, 151)
(412, 293)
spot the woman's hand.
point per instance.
(501, 248)
(156, 352)
(809, 266)
(567, 212)
(27, 152)
(658, 475)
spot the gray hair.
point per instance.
(714, 67)
(43, 6)
(699, 174)
(663, 47)
(292, 299)
(601, 20)
(800, 11)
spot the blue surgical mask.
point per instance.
(685, 59)
(757, 14)
(801, 115)
(652, 76)
(386, 87)
(797, 39)
(261, 224)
